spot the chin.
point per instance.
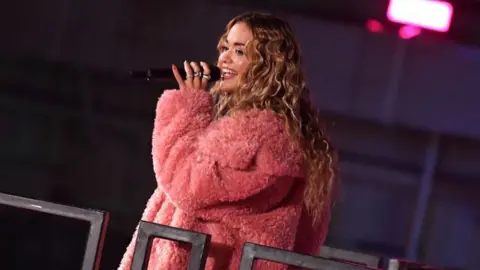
(228, 87)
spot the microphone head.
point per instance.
(140, 74)
(215, 73)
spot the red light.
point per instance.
(374, 26)
(428, 14)
(409, 31)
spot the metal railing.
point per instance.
(98, 223)
(350, 256)
(147, 231)
(253, 251)
(329, 259)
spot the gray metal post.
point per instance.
(423, 198)
(391, 91)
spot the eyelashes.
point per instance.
(224, 48)
(239, 52)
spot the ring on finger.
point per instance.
(189, 76)
(197, 74)
(206, 77)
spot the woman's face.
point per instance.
(233, 59)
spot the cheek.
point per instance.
(242, 66)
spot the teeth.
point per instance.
(227, 71)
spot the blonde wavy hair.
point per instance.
(275, 80)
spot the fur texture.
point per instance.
(238, 179)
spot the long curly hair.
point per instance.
(275, 80)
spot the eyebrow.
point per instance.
(235, 43)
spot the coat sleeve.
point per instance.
(199, 164)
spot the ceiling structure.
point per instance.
(465, 26)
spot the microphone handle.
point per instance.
(167, 74)
(156, 73)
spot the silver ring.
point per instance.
(206, 77)
(197, 74)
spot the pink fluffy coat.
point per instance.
(238, 179)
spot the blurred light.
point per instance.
(428, 14)
(374, 26)
(409, 31)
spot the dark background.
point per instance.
(75, 129)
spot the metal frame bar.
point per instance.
(423, 196)
(147, 231)
(393, 83)
(98, 223)
(349, 256)
(253, 251)
(401, 264)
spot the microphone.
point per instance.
(167, 73)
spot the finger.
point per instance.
(178, 77)
(189, 72)
(206, 75)
(197, 79)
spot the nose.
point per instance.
(225, 57)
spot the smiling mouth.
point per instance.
(228, 74)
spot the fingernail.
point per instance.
(174, 67)
(185, 62)
(202, 63)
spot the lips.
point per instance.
(228, 74)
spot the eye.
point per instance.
(239, 52)
(223, 48)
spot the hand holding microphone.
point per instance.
(196, 78)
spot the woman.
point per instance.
(253, 166)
